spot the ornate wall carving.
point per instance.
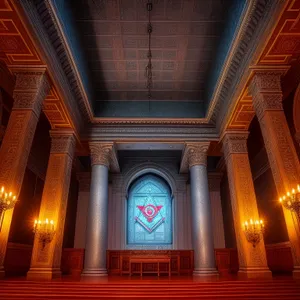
(18, 138)
(280, 148)
(243, 201)
(54, 204)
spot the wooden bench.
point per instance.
(150, 260)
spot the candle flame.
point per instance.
(47, 221)
(51, 222)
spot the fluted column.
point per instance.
(202, 231)
(30, 90)
(252, 260)
(45, 260)
(284, 162)
(96, 231)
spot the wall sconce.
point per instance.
(291, 201)
(254, 231)
(7, 200)
(45, 231)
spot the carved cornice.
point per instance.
(260, 15)
(49, 41)
(31, 89)
(107, 133)
(257, 17)
(63, 142)
(104, 154)
(150, 121)
(234, 143)
(266, 92)
(194, 154)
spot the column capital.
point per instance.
(234, 143)
(266, 91)
(63, 142)
(194, 154)
(31, 88)
(104, 154)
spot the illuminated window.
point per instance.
(149, 212)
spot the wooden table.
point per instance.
(153, 260)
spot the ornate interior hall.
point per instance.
(149, 149)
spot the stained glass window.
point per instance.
(149, 212)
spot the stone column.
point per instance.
(45, 261)
(202, 232)
(30, 90)
(267, 97)
(84, 179)
(252, 261)
(96, 231)
(214, 183)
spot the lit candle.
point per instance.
(288, 194)
(5, 196)
(14, 198)
(251, 222)
(10, 194)
(293, 191)
(280, 199)
(298, 187)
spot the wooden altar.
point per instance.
(173, 262)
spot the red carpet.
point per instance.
(145, 289)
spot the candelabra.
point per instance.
(45, 231)
(291, 201)
(254, 231)
(7, 200)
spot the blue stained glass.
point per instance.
(149, 212)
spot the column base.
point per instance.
(206, 272)
(296, 272)
(2, 272)
(253, 273)
(43, 273)
(94, 272)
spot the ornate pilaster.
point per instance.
(252, 261)
(45, 262)
(103, 156)
(267, 96)
(30, 90)
(195, 156)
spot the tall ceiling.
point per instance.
(189, 43)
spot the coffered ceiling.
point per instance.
(109, 40)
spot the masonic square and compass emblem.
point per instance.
(150, 216)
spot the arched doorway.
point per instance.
(149, 212)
